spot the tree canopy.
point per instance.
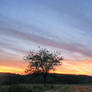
(42, 61)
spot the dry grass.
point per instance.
(49, 88)
(80, 88)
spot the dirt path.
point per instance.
(80, 89)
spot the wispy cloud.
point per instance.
(12, 35)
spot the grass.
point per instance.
(25, 88)
(41, 88)
(47, 88)
(64, 89)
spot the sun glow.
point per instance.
(68, 67)
(11, 70)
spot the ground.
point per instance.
(48, 88)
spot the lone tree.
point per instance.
(42, 62)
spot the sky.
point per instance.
(63, 25)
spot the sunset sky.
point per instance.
(63, 25)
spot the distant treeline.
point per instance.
(9, 79)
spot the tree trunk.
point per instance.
(45, 79)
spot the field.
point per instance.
(48, 88)
(32, 88)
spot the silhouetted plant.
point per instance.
(42, 61)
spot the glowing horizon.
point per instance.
(21, 71)
(64, 69)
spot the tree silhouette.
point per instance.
(42, 61)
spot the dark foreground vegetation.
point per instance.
(55, 83)
(9, 79)
(27, 88)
